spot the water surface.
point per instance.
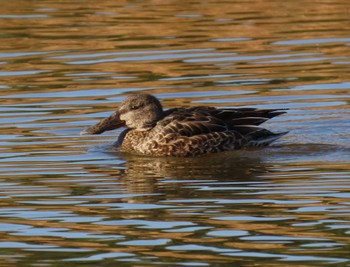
(70, 200)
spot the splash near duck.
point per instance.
(185, 132)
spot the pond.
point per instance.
(71, 200)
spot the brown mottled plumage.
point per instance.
(185, 132)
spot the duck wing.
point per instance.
(246, 116)
(201, 130)
(244, 122)
(200, 120)
(190, 132)
(192, 121)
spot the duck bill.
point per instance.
(107, 124)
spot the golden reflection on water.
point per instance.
(75, 201)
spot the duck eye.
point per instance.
(133, 107)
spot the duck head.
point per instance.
(138, 111)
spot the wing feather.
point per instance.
(200, 130)
(191, 122)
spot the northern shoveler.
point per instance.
(185, 132)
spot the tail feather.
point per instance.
(265, 140)
(235, 113)
(247, 121)
(256, 136)
(254, 112)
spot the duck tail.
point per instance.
(256, 136)
(265, 140)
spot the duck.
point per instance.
(185, 131)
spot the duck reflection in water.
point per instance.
(166, 176)
(185, 132)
